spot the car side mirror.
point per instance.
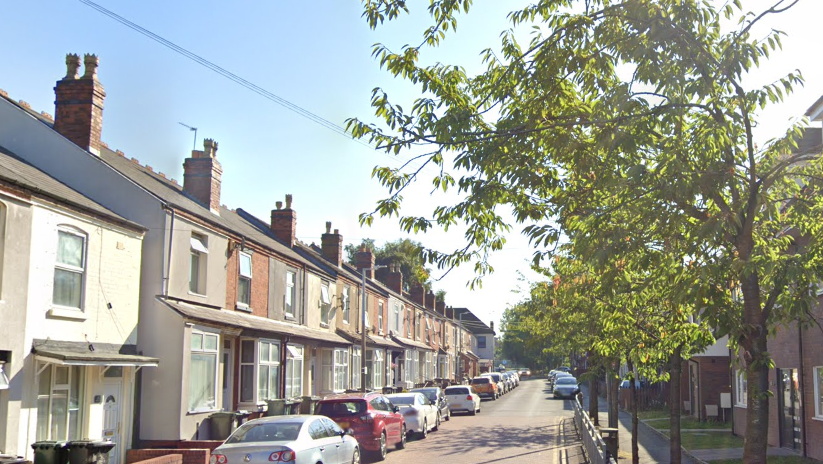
(350, 432)
(397, 409)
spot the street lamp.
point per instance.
(363, 367)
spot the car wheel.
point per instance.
(424, 431)
(381, 453)
(449, 415)
(355, 459)
(436, 423)
(473, 412)
(402, 443)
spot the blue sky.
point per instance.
(313, 54)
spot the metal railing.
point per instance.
(592, 442)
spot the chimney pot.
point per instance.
(336, 231)
(331, 245)
(278, 204)
(328, 227)
(72, 66)
(91, 62)
(288, 201)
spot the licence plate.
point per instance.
(344, 425)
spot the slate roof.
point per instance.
(472, 322)
(17, 172)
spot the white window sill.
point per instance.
(67, 313)
(345, 322)
(242, 307)
(191, 293)
(203, 411)
(740, 406)
(818, 418)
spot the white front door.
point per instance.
(112, 414)
(227, 363)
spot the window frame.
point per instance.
(82, 270)
(340, 369)
(291, 362)
(346, 303)
(73, 389)
(356, 368)
(200, 253)
(380, 308)
(241, 277)
(256, 364)
(818, 390)
(290, 293)
(479, 338)
(740, 389)
(203, 351)
(325, 304)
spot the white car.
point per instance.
(421, 416)
(462, 398)
(292, 439)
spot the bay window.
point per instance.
(203, 371)
(259, 371)
(59, 393)
(341, 369)
(294, 370)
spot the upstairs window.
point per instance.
(291, 294)
(197, 265)
(408, 323)
(346, 303)
(69, 269)
(481, 342)
(398, 322)
(380, 317)
(244, 281)
(325, 304)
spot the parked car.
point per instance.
(557, 376)
(485, 386)
(515, 377)
(566, 387)
(374, 420)
(498, 379)
(462, 398)
(525, 373)
(421, 415)
(436, 394)
(292, 439)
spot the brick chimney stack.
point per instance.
(418, 294)
(491, 325)
(284, 222)
(364, 259)
(78, 104)
(202, 175)
(394, 278)
(430, 300)
(332, 245)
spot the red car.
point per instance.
(375, 421)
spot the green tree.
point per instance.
(406, 254)
(616, 104)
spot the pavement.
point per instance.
(653, 446)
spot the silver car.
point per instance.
(288, 439)
(566, 387)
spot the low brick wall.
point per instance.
(165, 459)
(199, 444)
(189, 456)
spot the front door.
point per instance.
(226, 361)
(112, 416)
(789, 404)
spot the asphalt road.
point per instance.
(525, 425)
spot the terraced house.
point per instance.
(226, 311)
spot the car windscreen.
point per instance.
(266, 431)
(430, 393)
(402, 400)
(566, 381)
(496, 377)
(480, 381)
(457, 391)
(341, 408)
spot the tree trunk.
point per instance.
(593, 400)
(753, 349)
(612, 387)
(633, 407)
(675, 371)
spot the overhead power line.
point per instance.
(226, 73)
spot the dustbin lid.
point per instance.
(46, 444)
(223, 414)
